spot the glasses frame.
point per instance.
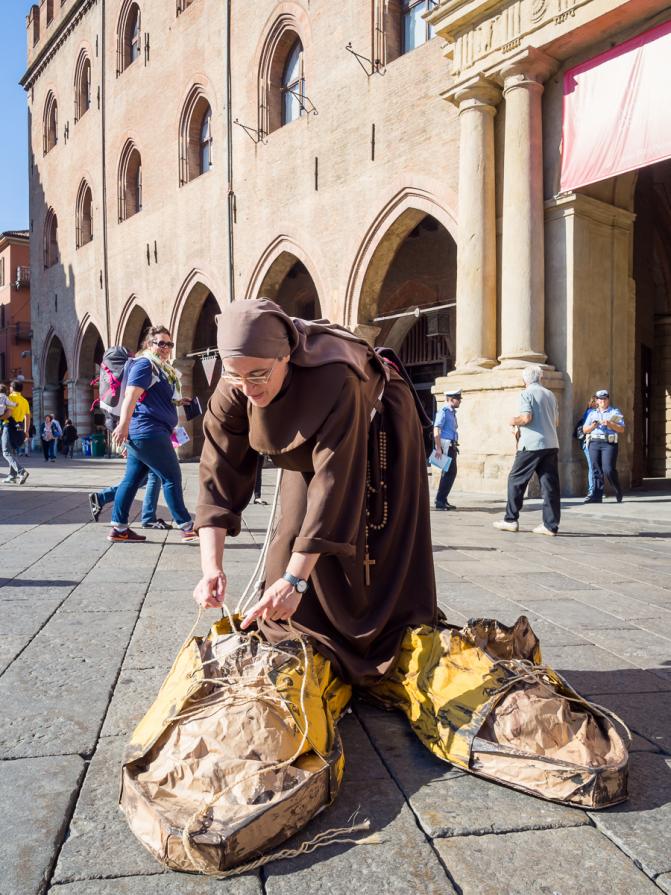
(162, 343)
(235, 379)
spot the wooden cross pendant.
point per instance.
(367, 563)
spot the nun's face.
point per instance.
(259, 378)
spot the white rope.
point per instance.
(255, 582)
(528, 672)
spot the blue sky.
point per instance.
(13, 116)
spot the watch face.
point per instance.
(301, 587)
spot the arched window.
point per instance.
(84, 214)
(282, 76)
(129, 36)
(51, 256)
(293, 85)
(130, 182)
(82, 85)
(50, 123)
(195, 137)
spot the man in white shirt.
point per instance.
(537, 452)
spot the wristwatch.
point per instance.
(298, 584)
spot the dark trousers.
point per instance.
(603, 455)
(259, 472)
(546, 464)
(447, 478)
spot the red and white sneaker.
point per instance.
(125, 536)
(189, 534)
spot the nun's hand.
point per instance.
(278, 603)
(210, 592)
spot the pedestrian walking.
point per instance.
(50, 431)
(258, 482)
(603, 427)
(14, 431)
(446, 440)
(70, 436)
(149, 519)
(537, 452)
(148, 417)
(583, 441)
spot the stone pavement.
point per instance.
(88, 630)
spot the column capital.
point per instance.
(532, 66)
(479, 93)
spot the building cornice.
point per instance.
(63, 30)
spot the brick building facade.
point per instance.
(192, 152)
(15, 325)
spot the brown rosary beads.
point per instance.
(379, 523)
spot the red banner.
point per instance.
(617, 110)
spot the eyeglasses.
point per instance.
(235, 379)
(162, 344)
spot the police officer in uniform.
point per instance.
(603, 426)
(446, 440)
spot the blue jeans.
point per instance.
(151, 496)
(8, 452)
(590, 468)
(155, 454)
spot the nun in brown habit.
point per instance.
(354, 504)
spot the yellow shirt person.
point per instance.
(20, 414)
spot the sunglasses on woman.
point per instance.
(162, 344)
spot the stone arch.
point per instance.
(55, 372)
(89, 350)
(384, 236)
(283, 260)
(193, 328)
(133, 321)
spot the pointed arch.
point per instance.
(276, 262)
(89, 347)
(133, 321)
(190, 299)
(401, 214)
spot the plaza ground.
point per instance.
(88, 630)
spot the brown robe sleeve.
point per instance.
(336, 491)
(227, 464)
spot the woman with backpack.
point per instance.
(147, 418)
(50, 432)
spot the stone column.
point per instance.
(50, 402)
(81, 396)
(476, 254)
(522, 264)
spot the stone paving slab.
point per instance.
(54, 696)
(403, 862)
(592, 670)
(100, 843)
(641, 827)
(547, 862)
(568, 612)
(37, 795)
(10, 647)
(134, 693)
(163, 884)
(450, 802)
